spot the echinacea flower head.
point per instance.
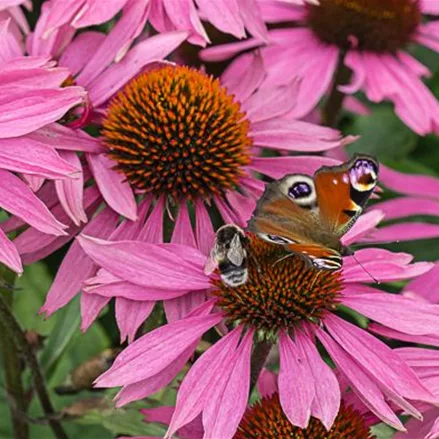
(369, 38)
(176, 140)
(284, 302)
(266, 419)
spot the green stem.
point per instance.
(17, 335)
(334, 102)
(12, 366)
(258, 360)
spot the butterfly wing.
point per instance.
(287, 215)
(343, 191)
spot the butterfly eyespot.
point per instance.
(299, 190)
(276, 239)
(363, 175)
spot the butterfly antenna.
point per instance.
(364, 268)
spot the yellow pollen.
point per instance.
(177, 131)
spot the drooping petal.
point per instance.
(91, 306)
(366, 389)
(130, 315)
(76, 265)
(19, 200)
(151, 353)
(9, 254)
(414, 317)
(23, 111)
(296, 383)
(202, 379)
(150, 265)
(228, 401)
(114, 188)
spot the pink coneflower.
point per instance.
(283, 301)
(173, 139)
(368, 37)
(32, 98)
(165, 16)
(266, 419)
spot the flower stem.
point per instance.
(334, 102)
(12, 367)
(17, 336)
(259, 357)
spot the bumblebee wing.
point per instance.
(235, 253)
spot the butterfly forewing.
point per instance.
(343, 191)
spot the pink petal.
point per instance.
(277, 167)
(409, 231)
(152, 49)
(152, 231)
(226, 51)
(414, 317)
(149, 386)
(326, 402)
(425, 285)
(203, 227)
(253, 21)
(178, 307)
(154, 351)
(408, 206)
(114, 188)
(269, 102)
(184, 16)
(183, 233)
(296, 383)
(32, 157)
(124, 31)
(150, 265)
(76, 265)
(9, 47)
(431, 339)
(19, 200)
(96, 13)
(429, 7)
(9, 254)
(366, 388)
(70, 192)
(243, 85)
(24, 111)
(378, 359)
(91, 306)
(130, 315)
(228, 400)
(420, 429)
(364, 225)
(65, 138)
(267, 383)
(224, 15)
(202, 379)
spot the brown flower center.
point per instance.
(375, 25)
(177, 131)
(279, 293)
(266, 420)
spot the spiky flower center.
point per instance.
(266, 420)
(280, 292)
(375, 25)
(177, 131)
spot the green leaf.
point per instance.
(122, 422)
(383, 135)
(66, 328)
(382, 431)
(31, 292)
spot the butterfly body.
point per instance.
(309, 215)
(229, 255)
